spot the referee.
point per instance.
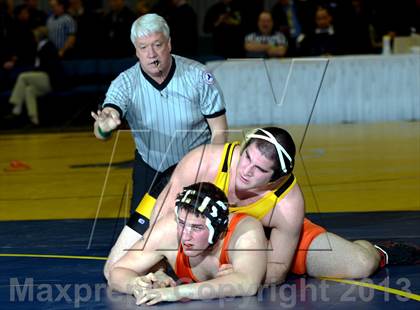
(172, 105)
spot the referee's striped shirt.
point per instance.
(169, 119)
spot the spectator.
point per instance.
(224, 21)
(22, 51)
(352, 19)
(41, 80)
(61, 28)
(323, 40)
(265, 43)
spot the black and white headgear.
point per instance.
(216, 212)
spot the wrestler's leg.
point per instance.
(330, 255)
(138, 224)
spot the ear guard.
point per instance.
(285, 160)
(216, 212)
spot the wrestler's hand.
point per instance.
(108, 119)
(143, 282)
(161, 279)
(154, 296)
(224, 270)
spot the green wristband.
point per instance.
(104, 134)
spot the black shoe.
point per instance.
(399, 253)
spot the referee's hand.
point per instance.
(108, 119)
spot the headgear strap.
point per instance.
(216, 212)
(280, 149)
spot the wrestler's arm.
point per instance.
(248, 269)
(126, 240)
(248, 264)
(133, 270)
(191, 169)
(183, 175)
(286, 222)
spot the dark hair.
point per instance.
(203, 189)
(195, 199)
(269, 150)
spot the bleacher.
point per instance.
(86, 82)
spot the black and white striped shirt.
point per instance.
(169, 119)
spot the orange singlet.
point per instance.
(182, 264)
(265, 204)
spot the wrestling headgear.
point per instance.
(208, 200)
(286, 160)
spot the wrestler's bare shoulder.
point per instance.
(248, 228)
(207, 154)
(290, 209)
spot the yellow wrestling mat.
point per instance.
(341, 168)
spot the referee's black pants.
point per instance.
(143, 176)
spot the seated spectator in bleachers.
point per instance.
(61, 28)
(45, 76)
(182, 21)
(324, 40)
(224, 21)
(352, 19)
(265, 43)
(117, 24)
(21, 46)
(340, 10)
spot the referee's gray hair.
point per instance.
(147, 25)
